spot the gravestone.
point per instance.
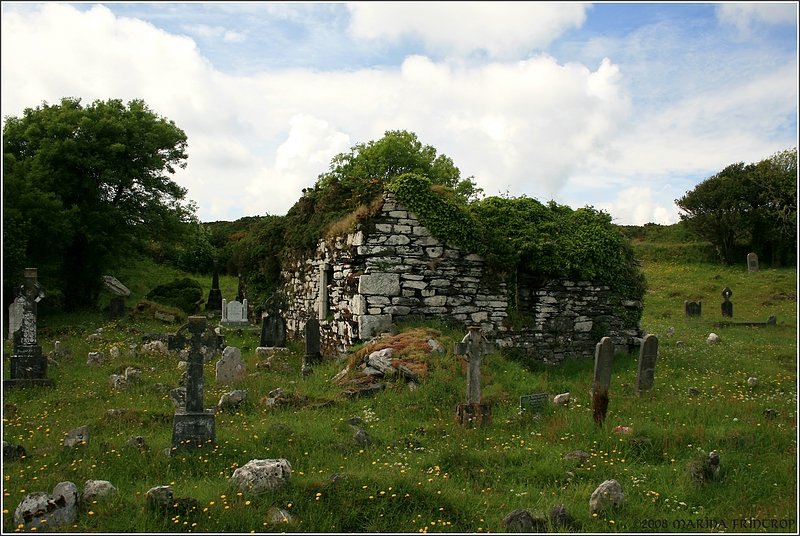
(692, 308)
(727, 306)
(534, 403)
(273, 331)
(752, 262)
(603, 360)
(212, 343)
(28, 365)
(234, 314)
(230, 368)
(116, 309)
(648, 353)
(214, 303)
(15, 316)
(240, 291)
(474, 412)
(313, 353)
(194, 425)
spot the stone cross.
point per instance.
(752, 262)
(240, 292)
(28, 366)
(648, 354)
(212, 342)
(603, 360)
(194, 425)
(727, 306)
(472, 347)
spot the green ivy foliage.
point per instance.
(551, 241)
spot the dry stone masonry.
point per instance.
(392, 268)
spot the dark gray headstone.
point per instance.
(648, 354)
(214, 302)
(752, 262)
(313, 353)
(273, 331)
(116, 309)
(727, 306)
(603, 361)
(194, 425)
(692, 308)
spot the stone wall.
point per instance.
(392, 268)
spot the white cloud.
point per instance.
(745, 15)
(536, 127)
(637, 205)
(501, 29)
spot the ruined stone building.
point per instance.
(391, 268)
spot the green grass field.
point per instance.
(422, 472)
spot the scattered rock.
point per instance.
(705, 469)
(137, 442)
(159, 498)
(262, 475)
(178, 396)
(361, 437)
(77, 437)
(232, 400)
(712, 339)
(577, 455)
(115, 352)
(770, 413)
(278, 516)
(95, 359)
(42, 510)
(156, 347)
(436, 347)
(12, 452)
(607, 495)
(561, 400)
(97, 489)
(160, 388)
(752, 381)
(560, 518)
(521, 520)
(670, 331)
(693, 391)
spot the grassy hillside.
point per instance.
(421, 472)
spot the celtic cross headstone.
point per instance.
(28, 365)
(472, 348)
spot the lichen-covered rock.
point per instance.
(97, 489)
(77, 437)
(607, 495)
(42, 510)
(257, 476)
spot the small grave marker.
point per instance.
(727, 306)
(752, 262)
(692, 308)
(534, 403)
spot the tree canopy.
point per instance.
(84, 185)
(748, 207)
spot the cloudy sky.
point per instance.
(621, 106)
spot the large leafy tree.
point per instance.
(83, 186)
(748, 207)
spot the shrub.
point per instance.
(185, 294)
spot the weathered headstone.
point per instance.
(113, 285)
(534, 403)
(214, 303)
(234, 314)
(727, 306)
(230, 368)
(313, 349)
(28, 365)
(692, 308)
(474, 412)
(15, 316)
(752, 262)
(273, 331)
(603, 360)
(116, 308)
(648, 353)
(194, 425)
